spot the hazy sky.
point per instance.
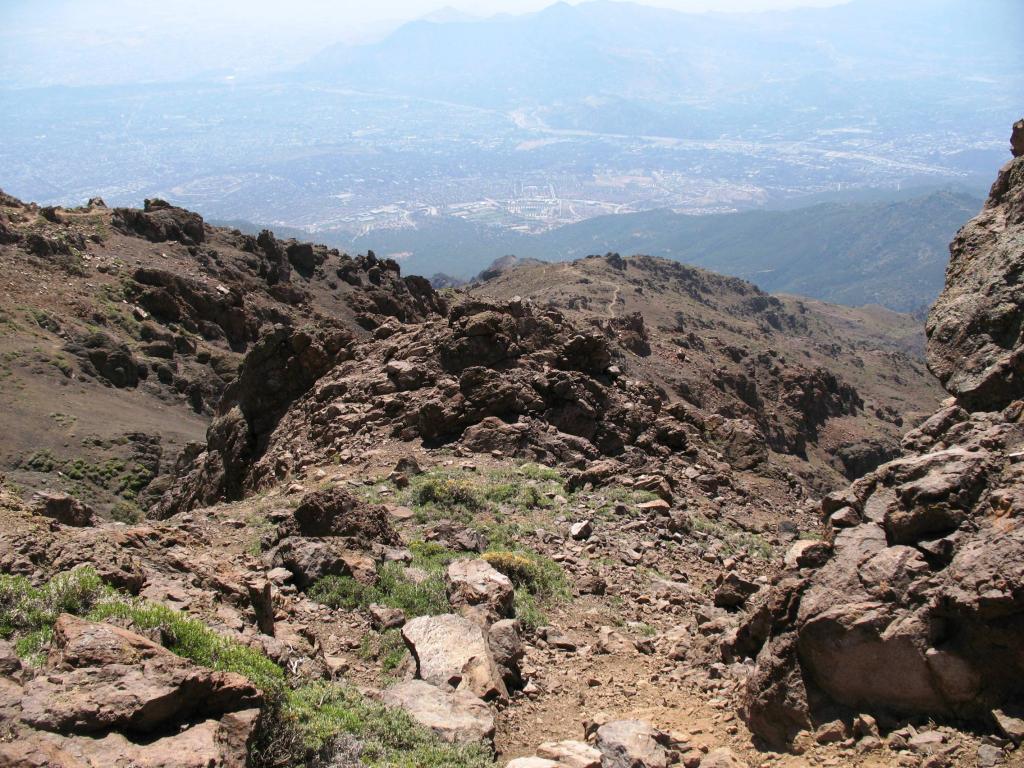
(343, 15)
(79, 42)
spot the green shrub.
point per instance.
(540, 576)
(528, 610)
(125, 512)
(431, 556)
(540, 472)
(386, 647)
(25, 609)
(446, 491)
(393, 589)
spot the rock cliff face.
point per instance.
(919, 610)
(976, 328)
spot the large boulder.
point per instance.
(101, 677)
(453, 651)
(456, 716)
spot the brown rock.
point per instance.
(106, 677)
(64, 509)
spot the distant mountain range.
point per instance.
(627, 68)
(891, 253)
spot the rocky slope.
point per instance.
(918, 610)
(120, 329)
(579, 529)
(777, 378)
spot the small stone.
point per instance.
(846, 517)
(831, 732)
(384, 618)
(926, 742)
(990, 756)
(807, 554)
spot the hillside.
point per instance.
(724, 347)
(888, 253)
(120, 330)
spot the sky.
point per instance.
(349, 18)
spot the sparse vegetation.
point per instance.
(393, 588)
(301, 722)
(28, 613)
(733, 540)
(125, 512)
(385, 737)
(387, 648)
(122, 478)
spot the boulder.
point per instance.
(733, 590)
(570, 754)
(456, 716)
(478, 583)
(63, 508)
(102, 677)
(336, 512)
(506, 642)
(222, 743)
(308, 560)
(453, 651)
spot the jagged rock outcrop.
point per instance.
(160, 221)
(976, 327)
(919, 610)
(215, 313)
(281, 366)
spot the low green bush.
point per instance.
(393, 589)
(446, 491)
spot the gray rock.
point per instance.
(452, 651)
(456, 716)
(631, 744)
